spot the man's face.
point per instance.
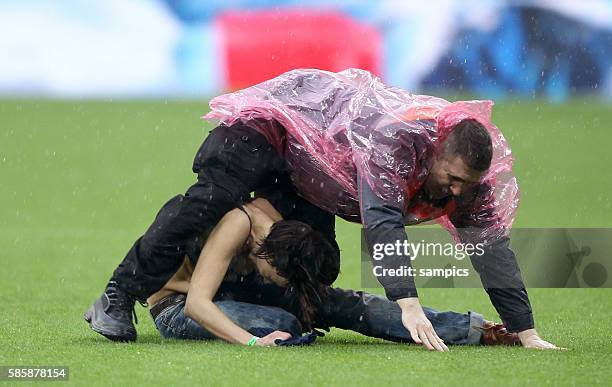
(449, 175)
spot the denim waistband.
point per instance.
(165, 303)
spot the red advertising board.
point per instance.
(259, 45)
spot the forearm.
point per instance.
(513, 307)
(396, 287)
(212, 266)
(210, 317)
(502, 280)
(384, 226)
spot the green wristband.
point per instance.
(252, 342)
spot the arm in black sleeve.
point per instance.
(385, 224)
(501, 279)
(475, 220)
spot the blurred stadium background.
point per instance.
(145, 48)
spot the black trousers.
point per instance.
(232, 163)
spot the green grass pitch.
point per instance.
(80, 181)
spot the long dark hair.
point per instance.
(307, 260)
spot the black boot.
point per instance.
(111, 314)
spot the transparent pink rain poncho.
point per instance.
(331, 126)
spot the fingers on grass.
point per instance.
(439, 340)
(415, 336)
(434, 339)
(425, 339)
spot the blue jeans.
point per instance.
(172, 322)
(360, 312)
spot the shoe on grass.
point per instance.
(111, 314)
(496, 334)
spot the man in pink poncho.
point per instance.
(354, 147)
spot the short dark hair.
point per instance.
(307, 260)
(470, 140)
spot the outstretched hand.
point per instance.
(530, 339)
(419, 326)
(270, 339)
